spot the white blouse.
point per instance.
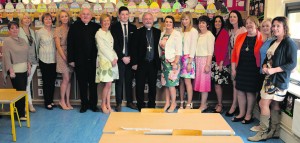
(46, 46)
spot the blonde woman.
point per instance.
(60, 37)
(190, 36)
(28, 35)
(107, 68)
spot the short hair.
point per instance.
(253, 19)
(188, 15)
(205, 19)
(214, 30)
(172, 18)
(46, 15)
(103, 16)
(284, 21)
(240, 20)
(12, 23)
(123, 8)
(26, 14)
(58, 17)
(146, 13)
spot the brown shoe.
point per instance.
(118, 108)
(132, 106)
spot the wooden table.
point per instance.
(112, 138)
(166, 121)
(11, 97)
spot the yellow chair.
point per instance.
(186, 132)
(152, 110)
(189, 111)
(129, 132)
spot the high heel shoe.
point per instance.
(236, 111)
(219, 108)
(64, 107)
(172, 108)
(235, 119)
(166, 107)
(247, 121)
(181, 104)
(189, 106)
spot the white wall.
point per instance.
(275, 8)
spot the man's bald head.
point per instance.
(86, 15)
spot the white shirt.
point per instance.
(46, 46)
(122, 25)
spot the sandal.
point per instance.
(189, 106)
(181, 104)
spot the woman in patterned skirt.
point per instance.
(204, 52)
(107, 68)
(220, 61)
(60, 37)
(170, 50)
(190, 36)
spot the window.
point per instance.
(293, 14)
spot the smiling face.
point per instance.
(233, 18)
(47, 21)
(26, 21)
(266, 27)
(278, 29)
(105, 23)
(202, 26)
(86, 15)
(14, 31)
(218, 23)
(148, 20)
(169, 23)
(124, 16)
(185, 21)
(250, 26)
(64, 18)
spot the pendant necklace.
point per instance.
(149, 42)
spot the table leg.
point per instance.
(27, 111)
(13, 127)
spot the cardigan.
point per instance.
(285, 57)
(221, 47)
(205, 44)
(190, 42)
(173, 46)
(32, 49)
(239, 43)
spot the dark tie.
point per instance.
(126, 40)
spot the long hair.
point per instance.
(189, 16)
(214, 30)
(240, 20)
(284, 21)
(59, 23)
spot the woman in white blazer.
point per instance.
(107, 68)
(190, 37)
(170, 50)
(28, 35)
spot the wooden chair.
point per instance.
(189, 111)
(129, 132)
(186, 132)
(152, 110)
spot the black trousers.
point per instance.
(86, 75)
(20, 83)
(48, 76)
(146, 71)
(125, 76)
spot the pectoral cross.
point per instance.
(149, 48)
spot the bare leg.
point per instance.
(167, 93)
(219, 92)
(264, 105)
(181, 92)
(189, 89)
(63, 90)
(203, 105)
(108, 84)
(172, 91)
(104, 101)
(68, 92)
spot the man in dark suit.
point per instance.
(82, 54)
(122, 33)
(145, 61)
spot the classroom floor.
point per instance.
(59, 126)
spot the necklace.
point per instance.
(247, 48)
(149, 41)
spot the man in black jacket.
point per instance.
(82, 54)
(145, 60)
(122, 33)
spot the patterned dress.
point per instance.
(169, 77)
(184, 63)
(62, 65)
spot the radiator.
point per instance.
(296, 118)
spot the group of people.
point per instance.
(191, 58)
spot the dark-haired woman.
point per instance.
(220, 60)
(16, 63)
(47, 59)
(203, 59)
(281, 59)
(235, 27)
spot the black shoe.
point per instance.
(132, 106)
(82, 109)
(49, 107)
(118, 108)
(95, 109)
(247, 121)
(235, 112)
(235, 119)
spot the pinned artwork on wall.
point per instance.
(257, 8)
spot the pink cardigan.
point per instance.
(221, 48)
